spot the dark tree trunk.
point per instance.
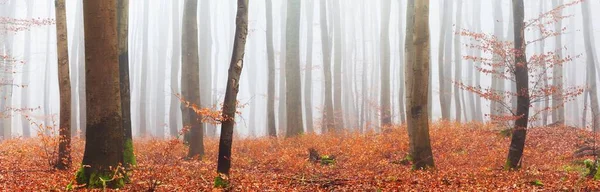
(292, 77)
(328, 116)
(517, 143)
(233, 85)
(123, 30)
(104, 145)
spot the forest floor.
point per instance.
(468, 157)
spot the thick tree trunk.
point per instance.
(409, 52)
(282, 113)
(62, 47)
(233, 85)
(386, 118)
(309, 67)
(418, 119)
(174, 109)
(328, 115)
(292, 79)
(124, 81)
(104, 146)
(519, 134)
(190, 79)
(271, 127)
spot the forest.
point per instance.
(299, 95)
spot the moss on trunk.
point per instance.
(96, 179)
(128, 156)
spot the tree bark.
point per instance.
(205, 46)
(403, 63)
(309, 67)
(558, 114)
(174, 110)
(519, 131)
(62, 47)
(233, 84)
(271, 127)
(124, 81)
(591, 61)
(418, 119)
(144, 104)
(26, 123)
(458, 61)
(191, 79)
(292, 79)
(337, 68)
(328, 115)
(386, 118)
(104, 145)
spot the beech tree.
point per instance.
(386, 116)
(328, 115)
(293, 82)
(230, 101)
(64, 147)
(271, 127)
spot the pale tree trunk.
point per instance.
(292, 79)
(190, 79)
(337, 67)
(76, 62)
(444, 100)
(25, 123)
(48, 120)
(458, 61)
(104, 136)
(271, 127)
(497, 82)
(233, 84)
(328, 115)
(401, 59)
(591, 61)
(477, 28)
(62, 47)
(81, 74)
(542, 47)
(386, 119)
(446, 91)
(418, 73)
(558, 114)
(160, 72)
(519, 131)
(174, 110)
(282, 113)
(309, 67)
(144, 104)
(206, 43)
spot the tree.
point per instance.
(402, 59)
(123, 32)
(309, 67)
(233, 85)
(143, 111)
(386, 116)
(26, 123)
(328, 116)
(458, 60)
(64, 147)
(174, 110)
(337, 67)
(292, 79)
(205, 48)
(558, 115)
(591, 61)
(104, 137)
(190, 78)
(418, 73)
(271, 127)
(443, 60)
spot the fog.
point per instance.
(360, 21)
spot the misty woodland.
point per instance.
(299, 95)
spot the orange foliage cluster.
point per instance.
(468, 157)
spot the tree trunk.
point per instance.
(282, 113)
(190, 79)
(26, 123)
(174, 110)
(458, 61)
(337, 68)
(445, 62)
(418, 72)
(497, 82)
(386, 118)
(401, 59)
(205, 46)
(124, 81)
(271, 127)
(328, 115)
(517, 143)
(233, 85)
(104, 145)
(591, 61)
(62, 47)
(309, 67)
(558, 114)
(292, 77)
(160, 72)
(477, 28)
(144, 104)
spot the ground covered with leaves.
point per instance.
(468, 157)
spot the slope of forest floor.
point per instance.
(468, 157)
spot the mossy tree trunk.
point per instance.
(123, 30)
(233, 85)
(104, 137)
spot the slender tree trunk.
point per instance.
(62, 47)
(191, 78)
(519, 134)
(309, 67)
(25, 74)
(293, 82)
(591, 61)
(144, 104)
(124, 81)
(229, 104)
(458, 61)
(418, 72)
(477, 28)
(558, 114)
(337, 67)
(271, 127)
(282, 59)
(445, 62)
(328, 116)
(401, 59)
(81, 75)
(206, 43)
(386, 119)
(160, 73)
(174, 110)
(104, 145)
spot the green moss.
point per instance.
(128, 156)
(98, 180)
(537, 183)
(221, 183)
(506, 132)
(327, 160)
